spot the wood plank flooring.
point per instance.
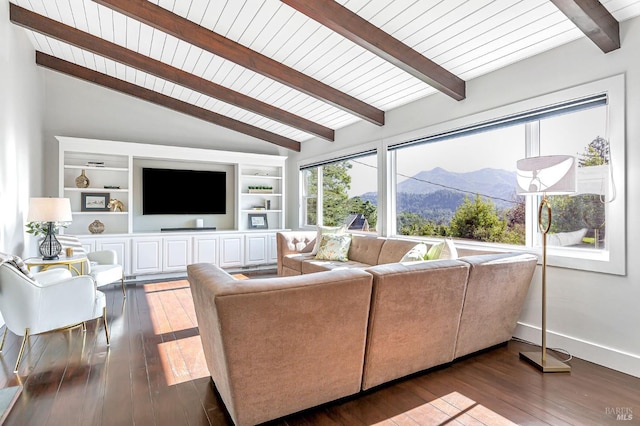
(154, 373)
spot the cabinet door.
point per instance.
(147, 255)
(256, 248)
(273, 249)
(177, 253)
(121, 247)
(231, 250)
(205, 249)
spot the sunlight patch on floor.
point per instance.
(170, 306)
(172, 313)
(183, 360)
(451, 409)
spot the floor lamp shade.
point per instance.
(50, 211)
(547, 175)
(551, 175)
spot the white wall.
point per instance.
(21, 99)
(594, 316)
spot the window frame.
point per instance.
(361, 150)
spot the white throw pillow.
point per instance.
(449, 250)
(415, 254)
(326, 230)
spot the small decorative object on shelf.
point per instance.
(115, 205)
(96, 227)
(112, 187)
(260, 190)
(95, 163)
(82, 181)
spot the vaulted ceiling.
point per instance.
(286, 71)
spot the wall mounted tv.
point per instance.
(171, 191)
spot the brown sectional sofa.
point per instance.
(280, 345)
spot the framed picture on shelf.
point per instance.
(258, 221)
(95, 202)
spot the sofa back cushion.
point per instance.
(275, 346)
(393, 250)
(365, 249)
(496, 291)
(415, 312)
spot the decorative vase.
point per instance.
(96, 227)
(82, 181)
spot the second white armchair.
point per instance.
(103, 265)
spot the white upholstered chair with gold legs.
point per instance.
(102, 265)
(46, 301)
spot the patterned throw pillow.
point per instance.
(327, 230)
(334, 247)
(417, 253)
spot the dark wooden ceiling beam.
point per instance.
(190, 32)
(594, 20)
(122, 86)
(82, 40)
(351, 26)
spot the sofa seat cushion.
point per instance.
(294, 260)
(312, 265)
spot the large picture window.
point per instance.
(473, 196)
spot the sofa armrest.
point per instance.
(288, 242)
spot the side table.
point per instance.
(73, 263)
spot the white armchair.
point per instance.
(51, 300)
(102, 266)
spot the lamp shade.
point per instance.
(48, 209)
(551, 174)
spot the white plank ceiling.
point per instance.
(467, 37)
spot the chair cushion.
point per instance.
(106, 274)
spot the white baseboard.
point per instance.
(608, 357)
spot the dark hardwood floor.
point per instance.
(154, 374)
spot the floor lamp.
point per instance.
(50, 211)
(546, 175)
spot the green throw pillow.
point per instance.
(334, 247)
(434, 252)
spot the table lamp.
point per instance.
(546, 175)
(50, 210)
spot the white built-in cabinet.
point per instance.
(257, 208)
(231, 251)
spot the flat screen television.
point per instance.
(173, 191)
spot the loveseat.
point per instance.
(276, 346)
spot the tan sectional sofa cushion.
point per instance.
(415, 312)
(276, 346)
(496, 291)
